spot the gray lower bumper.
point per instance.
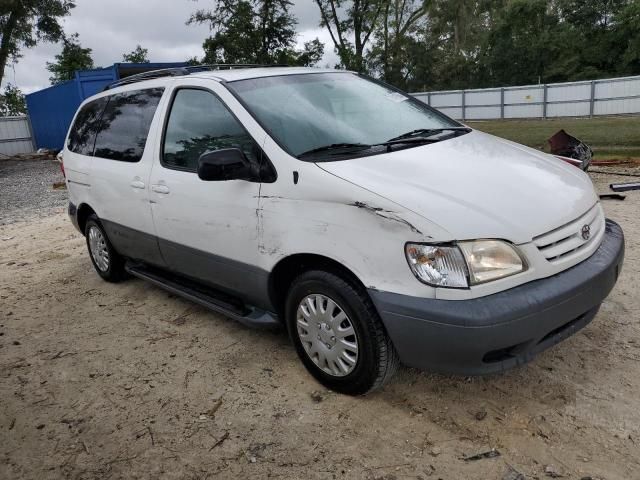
(493, 333)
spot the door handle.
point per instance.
(160, 189)
(137, 184)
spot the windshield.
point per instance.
(310, 112)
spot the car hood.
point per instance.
(476, 186)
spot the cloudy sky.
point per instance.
(114, 27)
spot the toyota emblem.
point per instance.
(586, 232)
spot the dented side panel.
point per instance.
(325, 215)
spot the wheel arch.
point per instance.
(290, 267)
(84, 210)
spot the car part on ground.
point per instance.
(612, 196)
(571, 150)
(624, 187)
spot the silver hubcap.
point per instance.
(327, 335)
(98, 249)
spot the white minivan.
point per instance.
(376, 229)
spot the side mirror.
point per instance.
(225, 164)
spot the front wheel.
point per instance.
(338, 334)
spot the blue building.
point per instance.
(51, 110)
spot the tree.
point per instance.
(254, 31)
(24, 23)
(627, 33)
(457, 33)
(12, 102)
(392, 56)
(351, 18)
(139, 55)
(310, 55)
(589, 30)
(73, 57)
(522, 44)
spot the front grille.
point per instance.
(568, 239)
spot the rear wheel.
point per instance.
(338, 334)
(107, 262)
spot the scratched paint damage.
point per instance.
(387, 214)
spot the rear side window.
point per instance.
(198, 123)
(82, 135)
(125, 124)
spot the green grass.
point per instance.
(609, 137)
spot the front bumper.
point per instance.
(494, 333)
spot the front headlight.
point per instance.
(491, 259)
(467, 263)
(437, 265)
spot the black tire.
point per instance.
(115, 271)
(377, 359)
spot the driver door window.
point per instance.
(199, 123)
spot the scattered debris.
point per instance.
(618, 173)
(571, 150)
(187, 377)
(435, 451)
(61, 354)
(42, 154)
(47, 151)
(481, 456)
(624, 187)
(40, 427)
(611, 196)
(212, 411)
(480, 414)
(121, 459)
(613, 161)
(182, 318)
(60, 185)
(513, 474)
(6, 239)
(317, 396)
(551, 471)
(429, 470)
(221, 440)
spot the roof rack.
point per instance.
(180, 71)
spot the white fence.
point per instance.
(15, 136)
(614, 96)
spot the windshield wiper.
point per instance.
(420, 135)
(424, 133)
(336, 146)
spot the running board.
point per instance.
(249, 316)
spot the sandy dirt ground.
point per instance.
(126, 381)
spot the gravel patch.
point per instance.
(26, 190)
